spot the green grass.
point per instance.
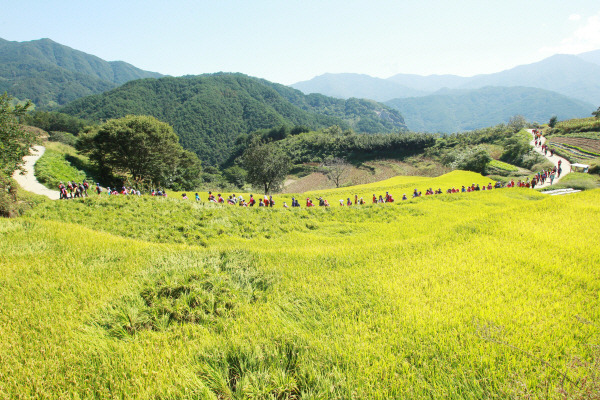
(503, 166)
(453, 296)
(578, 181)
(590, 124)
(61, 163)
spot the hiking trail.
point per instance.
(28, 181)
(565, 164)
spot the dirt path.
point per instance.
(565, 164)
(28, 181)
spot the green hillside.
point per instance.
(461, 110)
(51, 74)
(435, 297)
(209, 112)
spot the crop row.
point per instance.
(591, 146)
(582, 125)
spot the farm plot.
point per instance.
(576, 148)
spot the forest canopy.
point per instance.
(209, 112)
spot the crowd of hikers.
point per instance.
(546, 174)
(72, 190)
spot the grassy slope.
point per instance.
(422, 298)
(577, 180)
(56, 165)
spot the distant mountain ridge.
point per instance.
(455, 110)
(576, 76)
(209, 112)
(362, 86)
(52, 74)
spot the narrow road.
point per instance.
(28, 181)
(565, 164)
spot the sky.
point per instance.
(289, 41)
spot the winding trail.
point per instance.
(28, 180)
(565, 164)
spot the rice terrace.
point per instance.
(222, 236)
(466, 295)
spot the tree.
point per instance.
(235, 175)
(475, 159)
(139, 147)
(336, 169)
(266, 165)
(186, 175)
(15, 141)
(553, 121)
(517, 122)
(515, 148)
(597, 113)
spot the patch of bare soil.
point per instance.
(368, 172)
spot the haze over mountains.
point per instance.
(454, 110)
(434, 108)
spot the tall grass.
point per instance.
(466, 296)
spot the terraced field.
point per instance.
(582, 145)
(575, 148)
(461, 296)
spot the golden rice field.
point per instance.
(491, 294)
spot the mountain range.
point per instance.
(456, 110)
(576, 76)
(433, 107)
(51, 74)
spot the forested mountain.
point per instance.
(460, 110)
(209, 112)
(345, 86)
(51, 74)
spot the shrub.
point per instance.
(595, 167)
(63, 137)
(476, 160)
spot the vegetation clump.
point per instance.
(183, 289)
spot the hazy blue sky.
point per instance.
(290, 41)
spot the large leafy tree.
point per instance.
(267, 165)
(140, 148)
(15, 141)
